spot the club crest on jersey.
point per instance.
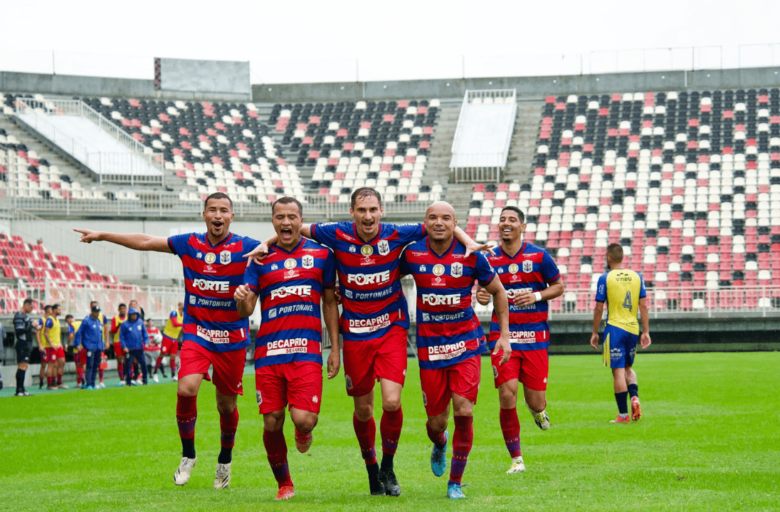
(290, 263)
(495, 372)
(425, 399)
(259, 397)
(513, 268)
(528, 266)
(438, 269)
(352, 249)
(308, 261)
(366, 250)
(224, 257)
(384, 247)
(210, 258)
(456, 270)
(348, 380)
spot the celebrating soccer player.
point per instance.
(214, 333)
(450, 339)
(291, 281)
(624, 292)
(374, 321)
(531, 279)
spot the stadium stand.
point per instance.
(688, 183)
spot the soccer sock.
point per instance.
(49, 381)
(100, 372)
(437, 438)
(186, 414)
(633, 390)
(461, 446)
(276, 448)
(20, 379)
(228, 423)
(121, 369)
(79, 375)
(620, 398)
(510, 427)
(366, 436)
(157, 364)
(59, 379)
(390, 430)
(173, 366)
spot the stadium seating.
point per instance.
(384, 145)
(688, 183)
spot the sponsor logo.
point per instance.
(456, 270)
(291, 273)
(384, 247)
(259, 397)
(274, 267)
(426, 317)
(352, 249)
(289, 346)
(528, 266)
(433, 299)
(286, 291)
(522, 336)
(348, 380)
(139, 327)
(366, 279)
(366, 250)
(290, 263)
(495, 372)
(272, 313)
(545, 380)
(225, 257)
(315, 399)
(365, 325)
(210, 258)
(514, 292)
(214, 335)
(214, 286)
(438, 269)
(615, 353)
(307, 261)
(444, 352)
(423, 268)
(193, 299)
(601, 289)
(513, 268)
(89, 353)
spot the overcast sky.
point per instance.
(306, 41)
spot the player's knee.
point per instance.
(508, 397)
(438, 423)
(306, 423)
(364, 412)
(391, 404)
(273, 422)
(536, 403)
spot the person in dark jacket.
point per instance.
(25, 334)
(90, 335)
(133, 336)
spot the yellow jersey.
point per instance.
(174, 325)
(41, 337)
(621, 289)
(116, 322)
(73, 328)
(55, 332)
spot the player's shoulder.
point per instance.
(390, 227)
(534, 249)
(420, 246)
(311, 245)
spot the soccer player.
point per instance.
(214, 333)
(103, 359)
(373, 322)
(24, 330)
(133, 337)
(152, 349)
(119, 353)
(450, 339)
(624, 292)
(90, 337)
(78, 360)
(170, 345)
(43, 344)
(291, 282)
(531, 280)
(52, 331)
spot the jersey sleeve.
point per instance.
(601, 289)
(325, 232)
(172, 316)
(329, 271)
(483, 272)
(642, 290)
(178, 243)
(250, 244)
(550, 272)
(409, 233)
(403, 265)
(252, 277)
(49, 323)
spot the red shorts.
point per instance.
(296, 384)
(528, 366)
(170, 346)
(228, 366)
(54, 353)
(365, 362)
(80, 357)
(118, 350)
(438, 385)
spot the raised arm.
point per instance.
(471, 245)
(645, 338)
(246, 300)
(330, 312)
(501, 307)
(135, 241)
(598, 311)
(261, 250)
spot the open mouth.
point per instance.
(217, 224)
(286, 233)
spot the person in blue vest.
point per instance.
(90, 335)
(133, 336)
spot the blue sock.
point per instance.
(633, 390)
(620, 398)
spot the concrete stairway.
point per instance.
(523, 146)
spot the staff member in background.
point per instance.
(142, 314)
(89, 336)
(133, 337)
(24, 330)
(152, 349)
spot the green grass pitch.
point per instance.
(709, 440)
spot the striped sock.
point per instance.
(276, 448)
(186, 415)
(462, 440)
(437, 438)
(390, 430)
(510, 427)
(366, 436)
(228, 424)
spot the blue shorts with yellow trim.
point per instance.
(619, 347)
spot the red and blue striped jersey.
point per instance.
(211, 275)
(290, 287)
(369, 280)
(531, 269)
(448, 331)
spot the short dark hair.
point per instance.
(615, 253)
(27, 301)
(217, 195)
(48, 306)
(365, 192)
(93, 302)
(68, 316)
(55, 306)
(515, 209)
(287, 200)
(122, 305)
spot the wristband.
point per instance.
(538, 296)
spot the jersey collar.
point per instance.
(297, 246)
(206, 236)
(520, 251)
(446, 253)
(370, 242)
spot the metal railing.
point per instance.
(506, 95)
(107, 167)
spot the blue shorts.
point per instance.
(619, 347)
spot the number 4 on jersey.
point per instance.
(627, 302)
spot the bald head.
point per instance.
(440, 222)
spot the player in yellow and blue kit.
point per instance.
(624, 292)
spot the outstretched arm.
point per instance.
(501, 307)
(261, 250)
(135, 241)
(471, 245)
